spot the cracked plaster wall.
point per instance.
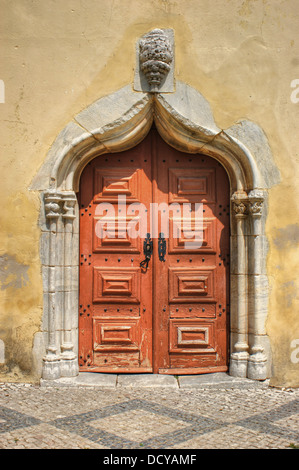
(59, 57)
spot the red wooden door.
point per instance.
(115, 314)
(192, 284)
(172, 316)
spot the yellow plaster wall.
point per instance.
(57, 57)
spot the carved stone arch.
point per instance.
(184, 120)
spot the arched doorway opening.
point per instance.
(154, 262)
(103, 129)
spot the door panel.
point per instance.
(171, 317)
(115, 316)
(191, 184)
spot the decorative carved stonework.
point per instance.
(240, 203)
(60, 359)
(69, 203)
(155, 57)
(240, 208)
(251, 204)
(57, 204)
(255, 208)
(52, 205)
(60, 315)
(256, 199)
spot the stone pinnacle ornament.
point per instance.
(155, 57)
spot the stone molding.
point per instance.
(59, 268)
(184, 120)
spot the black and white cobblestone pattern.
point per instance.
(210, 416)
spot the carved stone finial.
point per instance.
(155, 57)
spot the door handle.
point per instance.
(147, 250)
(161, 247)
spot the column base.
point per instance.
(69, 366)
(238, 367)
(51, 367)
(239, 361)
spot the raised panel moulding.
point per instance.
(183, 230)
(186, 185)
(191, 285)
(115, 335)
(112, 182)
(191, 336)
(116, 285)
(110, 235)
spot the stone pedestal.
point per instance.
(257, 364)
(239, 361)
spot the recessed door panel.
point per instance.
(192, 185)
(191, 336)
(112, 285)
(110, 334)
(110, 183)
(110, 235)
(203, 236)
(191, 285)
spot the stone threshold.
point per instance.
(219, 379)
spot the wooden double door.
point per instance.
(153, 301)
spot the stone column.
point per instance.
(239, 355)
(69, 360)
(51, 361)
(257, 362)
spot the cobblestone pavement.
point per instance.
(215, 412)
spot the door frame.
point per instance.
(101, 128)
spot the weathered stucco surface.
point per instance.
(59, 57)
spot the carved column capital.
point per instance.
(256, 199)
(52, 204)
(68, 208)
(240, 209)
(240, 204)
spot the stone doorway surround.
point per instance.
(184, 120)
